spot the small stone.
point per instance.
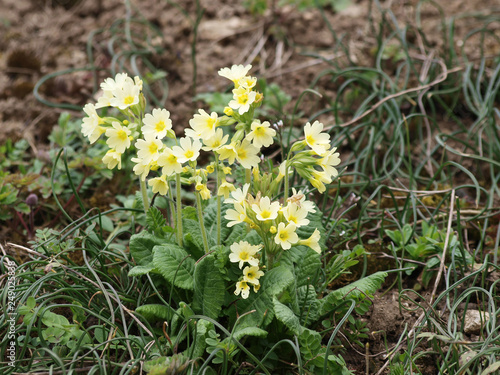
(474, 320)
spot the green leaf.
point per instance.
(249, 331)
(155, 312)
(308, 303)
(106, 223)
(356, 291)
(175, 265)
(193, 240)
(31, 302)
(141, 247)
(310, 344)
(141, 270)
(307, 263)
(274, 282)
(209, 288)
(286, 316)
(155, 219)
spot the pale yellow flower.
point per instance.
(247, 154)
(90, 124)
(148, 149)
(319, 179)
(156, 124)
(243, 288)
(328, 162)
(319, 142)
(215, 142)
(228, 152)
(266, 210)
(112, 159)
(141, 169)
(169, 162)
(286, 236)
(313, 241)
(251, 275)
(300, 199)
(189, 150)
(203, 190)
(247, 82)
(159, 185)
(295, 214)
(242, 252)
(261, 134)
(239, 195)
(235, 73)
(127, 95)
(118, 137)
(236, 216)
(203, 125)
(225, 189)
(242, 100)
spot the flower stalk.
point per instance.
(178, 201)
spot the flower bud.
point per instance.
(297, 146)
(32, 200)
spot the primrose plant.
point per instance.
(251, 249)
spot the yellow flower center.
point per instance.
(211, 123)
(244, 255)
(310, 139)
(172, 159)
(122, 135)
(189, 154)
(260, 130)
(153, 148)
(250, 275)
(160, 126)
(242, 154)
(128, 99)
(243, 99)
(265, 214)
(283, 235)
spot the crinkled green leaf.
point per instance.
(175, 265)
(209, 288)
(286, 316)
(141, 270)
(141, 247)
(356, 291)
(193, 240)
(249, 331)
(307, 263)
(309, 304)
(154, 312)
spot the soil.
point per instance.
(62, 39)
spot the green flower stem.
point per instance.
(285, 191)
(144, 192)
(202, 224)
(219, 203)
(171, 203)
(179, 208)
(248, 176)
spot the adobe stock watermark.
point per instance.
(10, 312)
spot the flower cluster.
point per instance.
(276, 223)
(319, 155)
(158, 150)
(242, 252)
